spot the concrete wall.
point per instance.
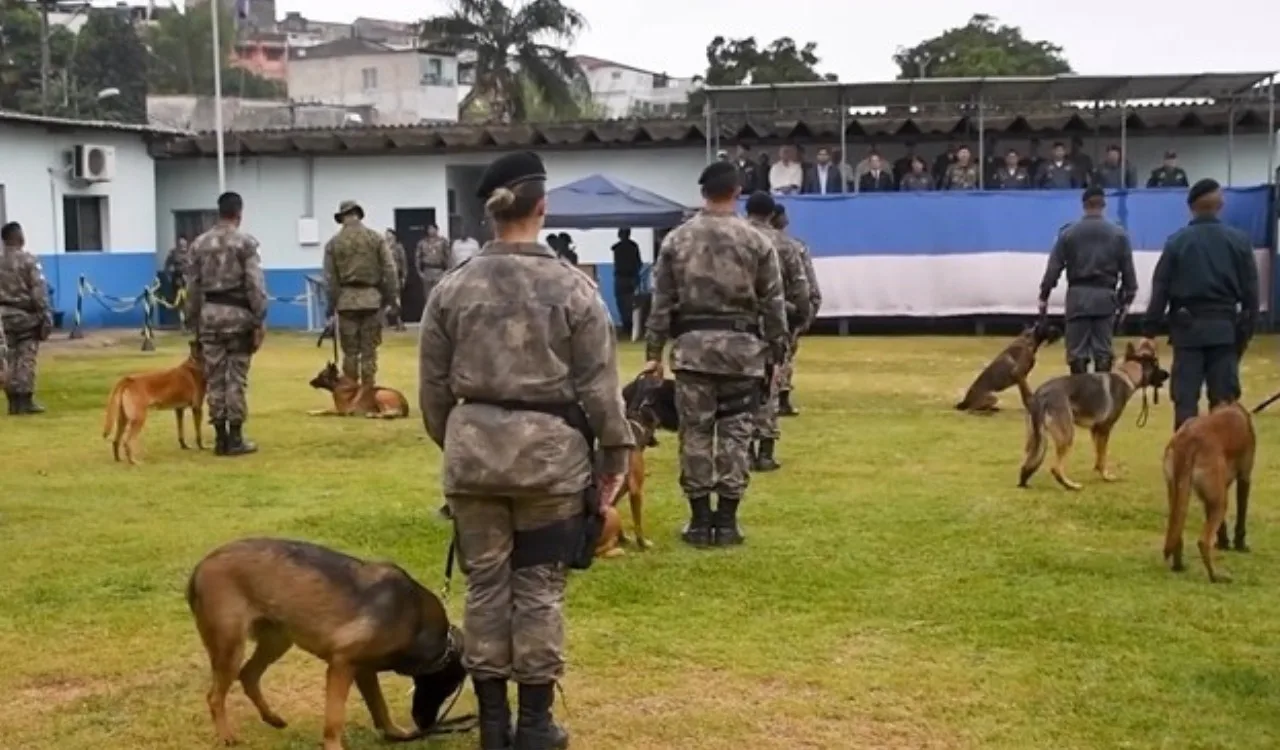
(400, 96)
(33, 173)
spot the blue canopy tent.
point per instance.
(600, 202)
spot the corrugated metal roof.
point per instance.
(22, 118)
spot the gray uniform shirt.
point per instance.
(1097, 257)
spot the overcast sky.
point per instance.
(857, 39)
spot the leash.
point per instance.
(449, 559)
(1145, 412)
(1270, 400)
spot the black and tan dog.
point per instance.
(1093, 400)
(656, 401)
(648, 402)
(361, 618)
(1011, 367)
(350, 400)
(1206, 455)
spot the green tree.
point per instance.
(742, 62)
(181, 47)
(517, 48)
(109, 55)
(20, 57)
(982, 47)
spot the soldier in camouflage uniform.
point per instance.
(433, 259)
(963, 174)
(717, 296)
(227, 306)
(786, 408)
(24, 317)
(4, 358)
(401, 261)
(795, 289)
(517, 347)
(361, 277)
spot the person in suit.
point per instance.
(876, 179)
(823, 178)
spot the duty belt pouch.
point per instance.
(589, 523)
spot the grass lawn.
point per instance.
(896, 591)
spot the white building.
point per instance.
(403, 86)
(626, 91)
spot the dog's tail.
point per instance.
(1036, 445)
(1179, 465)
(115, 405)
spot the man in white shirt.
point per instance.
(463, 248)
(786, 176)
(823, 178)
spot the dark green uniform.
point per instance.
(1206, 282)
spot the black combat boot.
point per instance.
(764, 457)
(25, 404)
(725, 529)
(1102, 365)
(535, 729)
(495, 714)
(698, 531)
(236, 444)
(1078, 366)
(785, 407)
(219, 437)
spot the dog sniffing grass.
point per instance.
(897, 590)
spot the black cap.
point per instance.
(1201, 189)
(1171, 154)
(715, 171)
(509, 171)
(760, 204)
(1093, 192)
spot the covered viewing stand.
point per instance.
(995, 103)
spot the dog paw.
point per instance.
(1220, 578)
(394, 733)
(645, 544)
(229, 740)
(184, 446)
(615, 552)
(1108, 476)
(274, 720)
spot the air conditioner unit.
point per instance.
(92, 163)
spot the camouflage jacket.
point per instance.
(226, 292)
(532, 328)
(717, 266)
(815, 292)
(400, 259)
(960, 177)
(359, 272)
(795, 284)
(434, 257)
(24, 298)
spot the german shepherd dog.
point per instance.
(648, 402)
(657, 399)
(1093, 400)
(361, 618)
(349, 399)
(1206, 455)
(179, 388)
(1011, 367)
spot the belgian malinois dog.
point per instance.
(349, 399)
(642, 414)
(1010, 367)
(178, 388)
(657, 399)
(361, 618)
(1206, 455)
(1094, 400)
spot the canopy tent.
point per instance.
(600, 202)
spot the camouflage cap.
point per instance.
(347, 207)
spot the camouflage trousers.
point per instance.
(715, 451)
(514, 618)
(20, 364)
(359, 336)
(226, 374)
(788, 366)
(766, 415)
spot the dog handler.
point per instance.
(1096, 255)
(716, 285)
(1206, 282)
(517, 369)
(25, 319)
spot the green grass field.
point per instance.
(896, 591)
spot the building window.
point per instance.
(661, 82)
(369, 76)
(83, 225)
(466, 75)
(617, 74)
(189, 225)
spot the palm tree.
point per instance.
(518, 47)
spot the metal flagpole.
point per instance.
(215, 10)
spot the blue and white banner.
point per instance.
(959, 254)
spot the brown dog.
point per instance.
(349, 399)
(1206, 455)
(179, 388)
(1094, 400)
(361, 618)
(613, 537)
(1011, 367)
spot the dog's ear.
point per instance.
(1129, 351)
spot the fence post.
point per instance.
(76, 331)
(148, 309)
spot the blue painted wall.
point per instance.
(116, 273)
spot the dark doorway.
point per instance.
(411, 227)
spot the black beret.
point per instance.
(1201, 189)
(1171, 154)
(760, 204)
(779, 209)
(509, 171)
(1093, 192)
(717, 170)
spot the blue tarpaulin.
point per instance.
(600, 202)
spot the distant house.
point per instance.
(625, 91)
(403, 86)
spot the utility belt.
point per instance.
(26, 307)
(230, 299)
(1094, 282)
(732, 325)
(574, 540)
(1185, 313)
(357, 285)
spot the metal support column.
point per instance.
(982, 145)
(1231, 142)
(707, 110)
(1271, 131)
(844, 139)
(1124, 136)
